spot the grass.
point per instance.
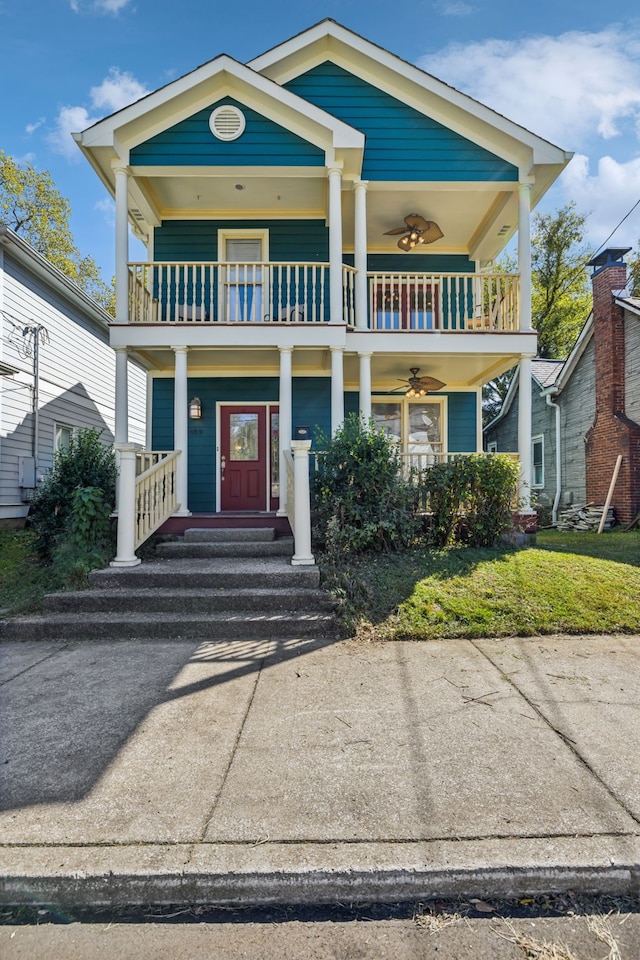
(565, 584)
(23, 579)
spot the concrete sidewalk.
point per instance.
(310, 771)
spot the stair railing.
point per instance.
(146, 497)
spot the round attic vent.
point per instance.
(227, 122)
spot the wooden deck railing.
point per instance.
(155, 491)
(443, 301)
(247, 293)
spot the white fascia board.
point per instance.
(220, 77)
(578, 349)
(141, 338)
(273, 63)
(442, 342)
(24, 253)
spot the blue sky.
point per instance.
(567, 70)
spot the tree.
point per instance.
(493, 394)
(32, 206)
(633, 276)
(561, 292)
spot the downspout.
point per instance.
(556, 502)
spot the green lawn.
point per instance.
(565, 584)
(23, 579)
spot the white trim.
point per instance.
(492, 446)
(539, 438)
(242, 233)
(329, 36)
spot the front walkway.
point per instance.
(165, 771)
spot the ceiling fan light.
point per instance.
(405, 244)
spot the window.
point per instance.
(492, 446)
(62, 437)
(419, 426)
(537, 462)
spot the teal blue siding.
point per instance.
(311, 407)
(462, 422)
(401, 143)
(191, 143)
(420, 263)
(289, 240)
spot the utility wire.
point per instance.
(615, 228)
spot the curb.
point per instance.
(314, 873)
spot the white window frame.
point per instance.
(492, 446)
(405, 406)
(244, 233)
(534, 440)
(57, 431)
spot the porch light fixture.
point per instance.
(419, 386)
(195, 409)
(417, 231)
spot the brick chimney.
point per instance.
(611, 433)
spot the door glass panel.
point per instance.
(243, 436)
(275, 455)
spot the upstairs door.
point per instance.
(244, 280)
(243, 458)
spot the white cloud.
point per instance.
(101, 6)
(32, 127)
(607, 195)
(454, 8)
(108, 208)
(116, 91)
(563, 88)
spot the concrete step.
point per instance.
(239, 548)
(207, 626)
(191, 601)
(207, 573)
(228, 534)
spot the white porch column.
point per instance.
(181, 430)
(337, 388)
(122, 396)
(125, 552)
(302, 509)
(524, 433)
(524, 253)
(122, 243)
(360, 258)
(335, 246)
(286, 414)
(365, 385)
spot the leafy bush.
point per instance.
(482, 488)
(361, 502)
(77, 497)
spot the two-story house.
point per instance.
(320, 225)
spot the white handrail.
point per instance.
(155, 492)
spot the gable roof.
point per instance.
(329, 40)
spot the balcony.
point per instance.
(298, 293)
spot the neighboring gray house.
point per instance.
(586, 410)
(57, 371)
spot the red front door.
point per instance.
(243, 458)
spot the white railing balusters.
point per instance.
(155, 491)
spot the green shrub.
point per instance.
(57, 509)
(481, 489)
(361, 503)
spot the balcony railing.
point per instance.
(444, 301)
(248, 293)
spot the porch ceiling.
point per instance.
(476, 218)
(458, 371)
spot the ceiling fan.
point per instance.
(417, 230)
(419, 386)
